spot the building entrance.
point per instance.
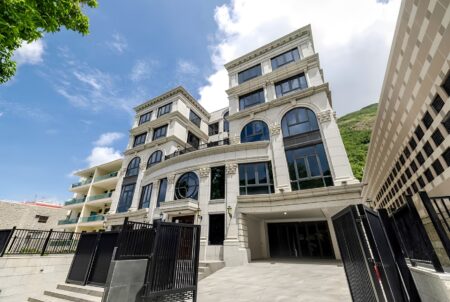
(300, 240)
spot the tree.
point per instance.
(27, 20)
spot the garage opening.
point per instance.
(300, 240)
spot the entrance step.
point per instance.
(206, 268)
(87, 290)
(69, 292)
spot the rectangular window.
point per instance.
(412, 143)
(437, 166)
(194, 118)
(446, 156)
(213, 129)
(427, 120)
(162, 191)
(429, 175)
(420, 158)
(285, 58)
(256, 178)
(126, 198)
(419, 132)
(437, 137)
(146, 195)
(216, 234)
(428, 149)
(446, 85)
(160, 132)
(413, 166)
(297, 82)
(139, 139)
(145, 117)
(252, 99)
(164, 109)
(446, 123)
(421, 182)
(437, 104)
(193, 140)
(218, 182)
(42, 219)
(249, 74)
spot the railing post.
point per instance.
(2, 252)
(46, 242)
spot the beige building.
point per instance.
(409, 149)
(263, 176)
(30, 215)
(92, 196)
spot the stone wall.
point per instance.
(25, 276)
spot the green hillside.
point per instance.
(355, 129)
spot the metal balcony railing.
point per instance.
(102, 177)
(68, 221)
(74, 201)
(92, 218)
(82, 183)
(99, 196)
(200, 147)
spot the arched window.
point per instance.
(187, 186)
(155, 158)
(255, 131)
(298, 121)
(133, 167)
(226, 123)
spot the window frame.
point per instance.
(268, 172)
(138, 139)
(213, 230)
(213, 129)
(151, 160)
(311, 120)
(163, 109)
(243, 98)
(146, 196)
(162, 191)
(263, 136)
(189, 137)
(195, 118)
(123, 207)
(133, 165)
(243, 77)
(215, 178)
(144, 118)
(274, 61)
(302, 85)
(226, 123)
(158, 130)
(195, 194)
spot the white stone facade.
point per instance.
(246, 217)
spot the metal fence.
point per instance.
(24, 241)
(135, 241)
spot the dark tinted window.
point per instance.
(126, 197)
(155, 158)
(446, 85)
(421, 182)
(412, 143)
(285, 58)
(255, 131)
(133, 167)
(255, 178)
(429, 175)
(213, 129)
(418, 133)
(145, 117)
(295, 83)
(413, 166)
(226, 123)
(437, 166)
(160, 132)
(428, 149)
(437, 137)
(146, 195)
(164, 109)
(437, 104)
(162, 191)
(251, 99)
(218, 182)
(193, 117)
(193, 140)
(446, 156)
(187, 186)
(249, 74)
(139, 139)
(216, 234)
(298, 121)
(446, 123)
(427, 120)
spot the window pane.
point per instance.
(262, 173)
(301, 168)
(313, 166)
(251, 177)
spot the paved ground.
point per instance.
(277, 281)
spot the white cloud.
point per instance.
(101, 155)
(142, 69)
(20, 110)
(107, 139)
(352, 38)
(186, 67)
(1, 114)
(30, 53)
(118, 43)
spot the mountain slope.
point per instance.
(355, 129)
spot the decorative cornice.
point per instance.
(234, 140)
(171, 179)
(134, 151)
(203, 172)
(231, 168)
(275, 129)
(304, 31)
(326, 116)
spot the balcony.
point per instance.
(103, 177)
(183, 206)
(200, 147)
(99, 196)
(68, 221)
(92, 218)
(82, 183)
(74, 201)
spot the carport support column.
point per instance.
(334, 242)
(204, 191)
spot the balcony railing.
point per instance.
(99, 196)
(102, 177)
(92, 218)
(74, 201)
(68, 221)
(200, 147)
(82, 183)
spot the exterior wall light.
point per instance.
(230, 211)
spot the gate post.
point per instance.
(46, 242)
(2, 252)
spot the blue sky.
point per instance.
(70, 103)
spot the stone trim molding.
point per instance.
(326, 116)
(203, 172)
(171, 179)
(275, 129)
(230, 169)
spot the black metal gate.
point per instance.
(92, 258)
(373, 272)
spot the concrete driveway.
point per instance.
(275, 281)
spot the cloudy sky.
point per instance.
(70, 104)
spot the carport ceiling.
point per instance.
(304, 214)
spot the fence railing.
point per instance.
(68, 221)
(74, 201)
(23, 241)
(92, 218)
(82, 183)
(99, 196)
(200, 147)
(135, 241)
(102, 177)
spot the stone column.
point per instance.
(203, 201)
(170, 193)
(137, 190)
(279, 162)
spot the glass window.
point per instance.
(126, 198)
(162, 191)
(218, 182)
(252, 99)
(437, 166)
(213, 129)
(133, 167)
(255, 131)
(193, 140)
(256, 178)
(295, 83)
(155, 158)
(145, 117)
(187, 186)
(226, 123)
(308, 167)
(194, 118)
(285, 58)
(146, 195)
(139, 139)
(427, 120)
(164, 109)
(446, 123)
(249, 74)
(437, 104)
(446, 85)
(216, 234)
(446, 156)
(299, 121)
(160, 132)
(437, 137)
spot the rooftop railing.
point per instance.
(74, 201)
(92, 218)
(99, 196)
(102, 177)
(68, 221)
(200, 147)
(82, 183)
